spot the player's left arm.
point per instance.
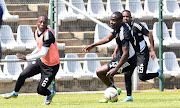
(125, 50)
(151, 45)
(151, 41)
(115, 51)
(48, 40)
(123, 59)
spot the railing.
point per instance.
(135, 81)
(63, 59)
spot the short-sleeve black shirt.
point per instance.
(138, 31)
(123, 39)
(48, 39)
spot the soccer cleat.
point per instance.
(49, 98)
(119, 91)
(128, 99)
(161, 77)
(103, 101)
(10, 95)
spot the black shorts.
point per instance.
(129, 65)
(142, 61)
(47, 72)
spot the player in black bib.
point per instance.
(141, 49)
(125, 61)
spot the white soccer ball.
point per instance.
(111, 94)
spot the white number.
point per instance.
(113, 64)
(140, 68)
(44, 82)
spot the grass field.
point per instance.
(166, 99)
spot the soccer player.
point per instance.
(125, 61)
(142, 51)
(47, 61)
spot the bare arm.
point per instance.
(150, 36)
(115, 51)
(123, 59)
(100, 42)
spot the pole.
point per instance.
(52, 27)
(52, 14)
(161, 88)
(56, 27)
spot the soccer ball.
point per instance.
(111, 94)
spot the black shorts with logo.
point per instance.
(129, 65)
(142, 61)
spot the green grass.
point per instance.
(166, 99)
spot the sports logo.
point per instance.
(45, 82)
(113, 64)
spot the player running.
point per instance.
(142, 52)
(125, 61)
(47, 62)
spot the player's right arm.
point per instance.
(39, 54)
(35, 51)
(100, 42)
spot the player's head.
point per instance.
(116, 20)
(126, 16)
(42, 22)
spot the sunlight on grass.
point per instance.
(144, 99)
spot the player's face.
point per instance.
(42, 23)
(126, 17)
(115, 23)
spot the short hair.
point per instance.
(126, 11)
(46, 18)
(119, 15)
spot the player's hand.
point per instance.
(111, 73)
(153, 55)
(113, 55)
(29, 54)
(87, 48)
(21, 56)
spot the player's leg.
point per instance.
(161, 76)
(142, 65)
(48, 74)
(101, 73)
(128, 83)
(28, 72)
(109, 82)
